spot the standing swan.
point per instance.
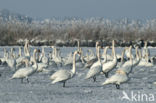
(108, 66)
(127, 66)
(118, 78)
(63, 75)
(96, 68)
(25, 72)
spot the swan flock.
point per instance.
(113, 68)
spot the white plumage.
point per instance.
(118, 78)
(25, 72)
(95, 69)
(64, 75)
(108, 66)
(127, 66)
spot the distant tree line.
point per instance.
(83, 29)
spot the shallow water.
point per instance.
(77, 90)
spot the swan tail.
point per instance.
(55, 81)
(106, 82)
(46, 70)
(11, 78)
(87, 77)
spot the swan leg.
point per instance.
(117, 86)
(27, 80)
(106, 74)
(94, 78)
(64, 84)
(22, 80)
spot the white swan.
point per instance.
(26, 49)
(145, 58)
(122, 59)
(3, 59)
(138, 57)
(56, 55)
(25, 72)
(90, 55)
(105, 55)
(26, 54)
(118, 78)
(145, 62)
(96, 68)
(44, 58)
(127, 66)
(20, 58)
(80, 62)
(92, 59)
(11, 61)
(63, 75)
(128, 54)
(108, 66)
(41, 66)
(145, 51)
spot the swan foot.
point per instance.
(106, 74)
(22, 80)
(117, 86)
(27, 80)
(94, 78)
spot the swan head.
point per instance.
(113, 42)
(35, 50)
(77, 52)
(52, 47)
(97, 43)
(26, 61)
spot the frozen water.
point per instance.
(77, 90)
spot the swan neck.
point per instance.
(105, 54)
(122, 57)
(20, 52)
(147, 57)
(35, 63)
(98, 53)
(74, 64)
(114, 53)
(78, 44)
(26, 50)
(5, 53)
(130, 51)
(136, 51)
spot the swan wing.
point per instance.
(107, 66)
(116, 78)
(94, 71)
(58, 73)
(63, 76)
(23, 72)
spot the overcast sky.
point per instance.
(111, 9)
